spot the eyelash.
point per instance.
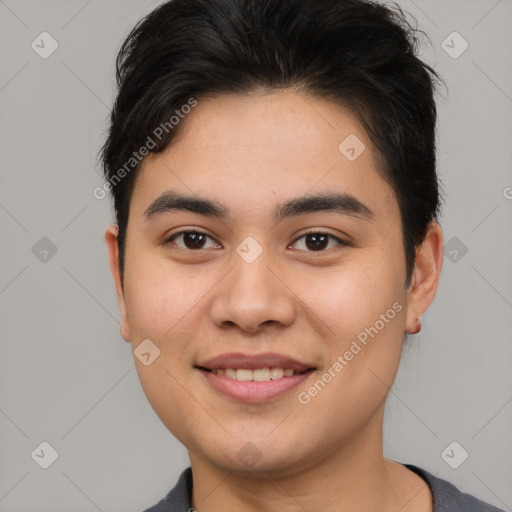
(310, 232)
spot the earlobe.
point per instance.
(425, 278)
(111, 239)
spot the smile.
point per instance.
(259, 375)
(254, 386)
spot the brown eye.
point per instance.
(318, 241)
(191, 239)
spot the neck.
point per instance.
(354, 477)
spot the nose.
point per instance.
(253, 295)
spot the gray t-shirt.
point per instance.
(447, 498)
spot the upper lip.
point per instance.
(252, 362)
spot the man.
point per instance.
(272, 164)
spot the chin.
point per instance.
(258, 458)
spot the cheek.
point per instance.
(157, 298)
(352, 296)
(362, 312)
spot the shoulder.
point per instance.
(447, 498)
(179, 497)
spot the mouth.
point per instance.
(257, 375)
(252, 379)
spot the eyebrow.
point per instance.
(344, 204)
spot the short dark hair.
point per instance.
(358, 53)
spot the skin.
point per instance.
(251, 153)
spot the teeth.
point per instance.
(260, 375)
(230, 373)
(276, 373)
(244, 374)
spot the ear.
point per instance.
(111, 239)
(425, 277)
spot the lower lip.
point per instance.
(254, 391)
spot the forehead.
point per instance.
(256, 150)
(286, 122)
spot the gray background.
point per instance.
(68, 378)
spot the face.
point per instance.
(320, 281)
